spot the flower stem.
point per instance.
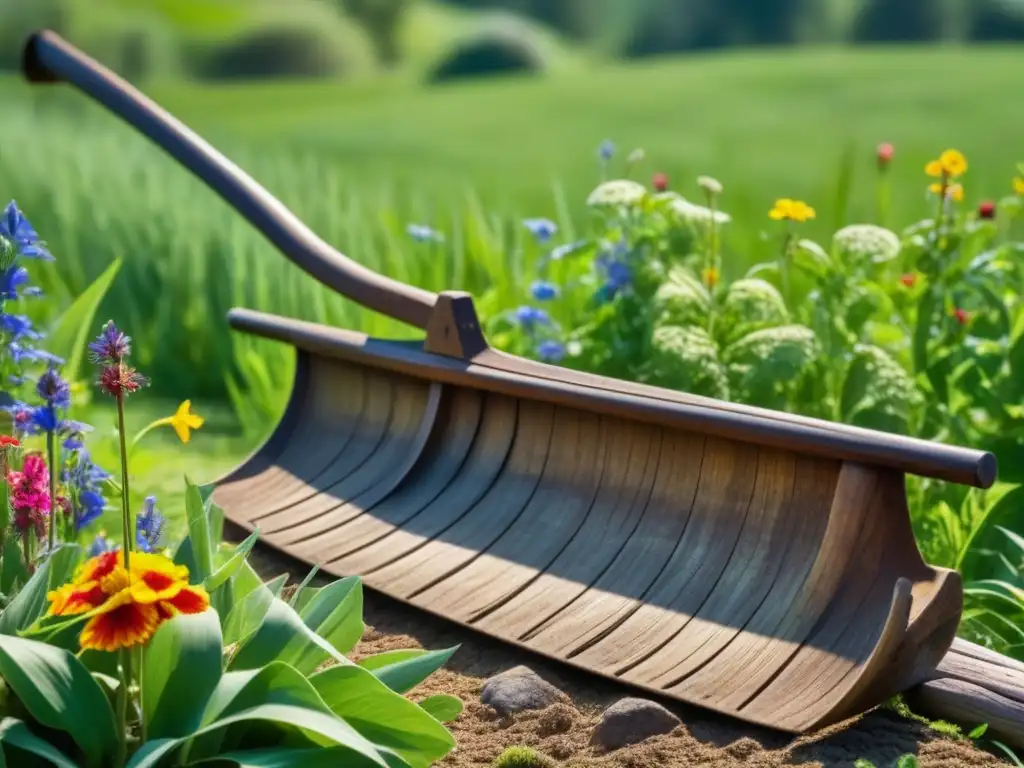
(126, 515)
(51, 455)
(122, 704)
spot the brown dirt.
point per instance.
(562, 731)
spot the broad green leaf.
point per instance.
(387, 658)
(16, 733)
(402, 676)
(30, 603)
(60, 693)
(382, 715)
(246, 581)
(231, 567)
(303, 593)
(442, 707)
(283, 636)
(289, 757)
(247, 614)
(69, 335)
(12, 571)
(5, 510)
(198, 532)
(336, 614)
(181, 670)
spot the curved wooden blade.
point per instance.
(777, 586)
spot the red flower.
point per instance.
(961, 315)
(987, 210)
(660, 182)
(118, 380)
(6, 441)
(885, 153)
(909, 279)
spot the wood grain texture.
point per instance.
(780, 587)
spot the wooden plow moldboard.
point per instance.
(756, 563)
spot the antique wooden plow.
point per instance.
(756, 563)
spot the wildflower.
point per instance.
(962, 316)
(909, 279)
(950, 164)
(100, 545)
(21, 415)
(884, 152)
(867, 241)
(660, 182)
(710, 275)
(6, 441)
(698, 214)
(952, 191)
(121, 380)
(559, 253)
(606, 150)
(636, 156)
(53, 389)
(149, 526)
(530, 317)
(110, 347)
(1018, 185)
(791, 210)
(617, 192)
(424, 234)
(15, 229)
(543, 290)
(541, 229)
(987, 210)
(184, 420)
(551, 351)
(126, 608)
(84, 481)
(710, 185)
(11, 279)
(30, 496)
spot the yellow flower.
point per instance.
(710, 276)
(1018, 185)
(950, 164)
(792, 210)
(183, 421)
(953, 191)
(125, 607)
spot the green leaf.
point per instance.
(17, 734)
(382, 715)
(387, 658)
(247, 614)
(442, 707)
(978, 732)
(30, 603)
(231, 567)
(336, 614)
(290, 757)
(68, 336)
(926, 308)
(182, 668)
(12, 570)
(303, 593)
(283, 636)
(404, 675)
(60, 693)
(198, 532)
(5, 508)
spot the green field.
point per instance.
(358, 161)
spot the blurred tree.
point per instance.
(997, 20)
(895, 20)
(380, 19)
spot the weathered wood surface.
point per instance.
(780, 587)
(973, 685)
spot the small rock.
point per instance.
(518, 689)
(630, 721)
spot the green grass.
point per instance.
(358, 161)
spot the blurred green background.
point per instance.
(469, 115)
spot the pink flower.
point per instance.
(660, 182)
(30, 495)
(885, 153)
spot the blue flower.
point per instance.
(11, 279)
(542, 290)
(100, 545)
(45, 419)
(551, 351)
(541, 229)
(15, 228)
(422, 233)
(18, 326)
(73, 433)
(530, 317)
(110, 347)
(21, 415)
(149, 526)
(91, 507)
(607, 150)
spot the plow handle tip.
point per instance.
(32, 58)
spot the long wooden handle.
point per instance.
(49, 58)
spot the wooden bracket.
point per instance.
(454, 329)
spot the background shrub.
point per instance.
(506, 48)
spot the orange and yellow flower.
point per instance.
(791, 210)
(953, 191)
(126, 606)
(950, 165)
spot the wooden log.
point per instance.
(973, 650)
(969, 705)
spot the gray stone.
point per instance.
(518, 689)
(630, 721)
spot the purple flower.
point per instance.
(530, 317)
(543, 290)
(551, 351)
(17, 327)
(149, 526)
(606, 151)
(541, 229)
(15, 228)
(54, 391)
(110, 347)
